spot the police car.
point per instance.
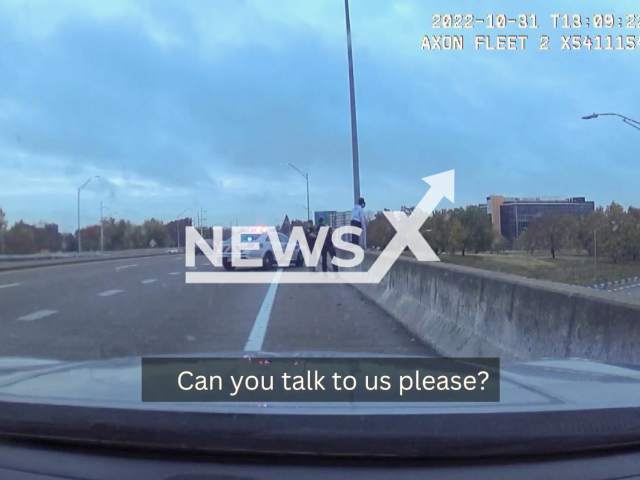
(260, 236)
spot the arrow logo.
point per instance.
(407, 235)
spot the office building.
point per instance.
(511, 216)
(333, 218)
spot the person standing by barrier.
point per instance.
(358, 220)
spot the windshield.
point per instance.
(454, 181)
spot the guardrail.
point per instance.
(463, 311)
(40, 260)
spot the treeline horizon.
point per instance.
(119, 234)
(613, 231)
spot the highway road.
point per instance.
(143, 306)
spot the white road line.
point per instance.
(9, 285)
(108, 293)
(175, 273)
(125, 266)
(259, 331)
(150, 280)
(37, 315)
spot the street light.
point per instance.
(79, 190)
(352, 101)
(627, 120)
(306, 176)
(178, 225)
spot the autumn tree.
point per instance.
(21, 239)
(379, 231)
(585, 227)
(552, 231)
(610, 239)
(499, 243)
(528, 240)
(457, 234)
(437, 231)
(477, 226)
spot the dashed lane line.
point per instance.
(10, 285)
(150, 280)
(175, 273)
(37, 315)
(259, 330)
(125, 266)
(108, 293)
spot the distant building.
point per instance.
(333, 218)
(512, 216)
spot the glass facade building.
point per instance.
(512, 216)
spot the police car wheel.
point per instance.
(227, 264)
(267, 261)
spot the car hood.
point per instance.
(542, 385)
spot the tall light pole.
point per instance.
(627, 120)
(352, 99)
(79, 232)
(306, 176)
(178, 225)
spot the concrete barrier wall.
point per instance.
(463, 311)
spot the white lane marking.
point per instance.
(150, 280)
(259, 330)
(9, 285)
(108, 293)
(37, 315)
(175, 273)
(125, 266)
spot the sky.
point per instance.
(186, 105)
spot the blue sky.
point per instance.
(178, 105)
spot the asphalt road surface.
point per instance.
(143, 306)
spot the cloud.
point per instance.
(178, 105)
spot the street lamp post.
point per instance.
(352, 101)
(627, 120)
(79, 232)
(306, 176)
